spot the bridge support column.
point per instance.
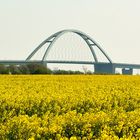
(44, 63)
(127, 71)
(104, 69)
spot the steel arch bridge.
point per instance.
(53, 38)
(99, 67)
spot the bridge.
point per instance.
(99, 67)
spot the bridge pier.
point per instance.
(44, 64)
(127, 71)
(104, 68)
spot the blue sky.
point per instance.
(114, 24)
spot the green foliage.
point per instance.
(13, 69)
(24, 69)
(66, 72)
(3, 70)
(38, 69)
(34, 69)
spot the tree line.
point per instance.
(35, 69)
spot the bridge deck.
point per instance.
(116, 65)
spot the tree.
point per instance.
(38, 69)
(13, 69)
(85, 69)
(3, 70)
(66, 72)
(24, 69)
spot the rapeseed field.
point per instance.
(82, 107)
